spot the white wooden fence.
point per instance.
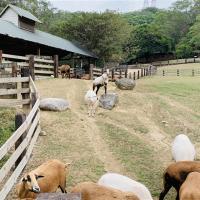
(29, 131)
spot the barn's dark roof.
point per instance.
(39, 37)
(21, 12)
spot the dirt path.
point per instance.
(74, 137)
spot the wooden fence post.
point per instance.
(102, 70)
(178, 72)
(126, 72)
(19, 119)
(31, 66)
(138, 75)
(193, 72)
(163, 72)
(55, 66)
(91, 71)
(112, 74)
(1, 52)
(134, 76)
(142, 72)
(25, 72)
(120, 73)
(14, 69)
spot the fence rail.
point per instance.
(25, 136)
(114, 73)
(39, 67)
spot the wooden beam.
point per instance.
(56, 66)
(14, 57)
(13, 91)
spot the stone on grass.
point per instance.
(125, 84)
(108, 101)
(54, 104)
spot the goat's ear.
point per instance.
(67, 165)
(38, 176)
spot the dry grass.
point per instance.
(131, 139)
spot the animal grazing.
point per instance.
(91, 100)
(175, 175)
(93, 191)
(101, 81)
(190, 189)
(48, 177)
(125, 184)
(65, 71)
(183, 149)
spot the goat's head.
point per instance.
(30, 181)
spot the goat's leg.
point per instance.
(90, 110)
(98, 86)
(94, 86)
(69, 74)
(167, 187)
(105, 86)
(93, 111)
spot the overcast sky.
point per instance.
(102, 5)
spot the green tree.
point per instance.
(146, 41)
(103, 33)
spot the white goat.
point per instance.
(101, 81)
(183, 149)
(125, 184)
(91, 100)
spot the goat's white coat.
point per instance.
(183, 149)
(125, 184)
(91, 100)
(101, 79)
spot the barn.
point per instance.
(19, 36)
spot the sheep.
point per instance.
(48, 177)
(183, 149)
(101, 81)
(125, 184)
(65, 71)
(190, 189)
(175, 175)
(93, 191)
(91, 100)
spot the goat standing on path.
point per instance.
(101, 81)
(92, 101)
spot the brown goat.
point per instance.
(93, 191)
(48, 177)
(175, 175)
(65, 71)
(190, 189)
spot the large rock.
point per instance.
(125, 84)
(108, 101)
(54, 104)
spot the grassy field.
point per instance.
(6, 123)
(184, 70)
(133, 139)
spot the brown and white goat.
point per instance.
(190, 189)
(175, 175)
(65, 71)
(48, 177)
(93, 191)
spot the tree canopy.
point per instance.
(124, 37)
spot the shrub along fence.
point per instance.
(16, 151)
(39, 67)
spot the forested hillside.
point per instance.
(150, 34)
